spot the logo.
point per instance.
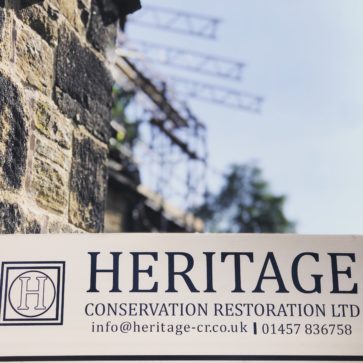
(31, 293)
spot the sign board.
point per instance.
(181, 297)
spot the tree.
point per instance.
(244, 203)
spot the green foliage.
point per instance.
(130, 129)
(244, 204)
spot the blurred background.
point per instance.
(238, 116)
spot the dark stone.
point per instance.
(102, 29)
(126, 7)
(26, 3)
(84, 13)
(38, 19)
(2, 3)
(108, 10)
(53, 13)
(116, 9)
(41, 20)
(10, 218)
(32, 227)
(85, 83)
(85, 17)
(13, 160)
(88, 185)
(13, 220)
(93, 122)
(112, 10)
(2, 21)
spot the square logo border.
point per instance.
(60, 266)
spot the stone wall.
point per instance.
(55, 101)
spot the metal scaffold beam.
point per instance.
(157, 95)
(177, 21)
(217, 95)
(189, 60)
(172, 119)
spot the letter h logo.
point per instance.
(31, 293)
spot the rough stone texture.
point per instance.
(10, 218)
(13, 135)
(83, 83)
(53, 153)
(30, 223)
(84, 8)
(43, 19)
(5, 36)
(15, 220)
(88, 184)
(112, 10)
(32, 227)
(100, 34)
(50, 186)
(75, 11)
(2, 25)
(2, 22)
(94, 123)
(52, 124)
(55, 111)
(60, 227)
(34, 59)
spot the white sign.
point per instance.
(181, 297)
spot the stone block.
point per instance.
(15, 219)
(33, 59)
(50, 185)
(2, 22)
(53, 153)
(5, 35)
(88, 184)
(94, 123)
(101, 34)
(83, 83)
(51, 123)
(127, 7)
(10, 218)
(43, 19)
(61, 227)
(31, 227)
(13, 135)
(75, 11)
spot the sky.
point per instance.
(306, 59)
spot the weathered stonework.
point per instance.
(5, 35)
(43, 19)
(52, 152)
(56, 226)
(84, 85)
(100, 36)
(88, 183)
(51, 123)
(50, 186)
(55, 111)
(2, 22)
(13, 135)
(13, 219)
(33, 59)
(76, 12)
(10, 218)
